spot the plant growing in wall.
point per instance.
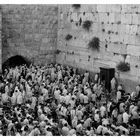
(94, 43)
(123, 66)
(68, 37)
(87, 24)
(76, 6)
(57, 51)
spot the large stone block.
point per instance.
(101, 8)
(117, 48)
(133, 29)
(117, 58)
(126, 18)
(116, 8)
(103, 17)
(111, 17)
(137, 40)
(127, 8)
(132, 39)
(135, 19)
(133, 50)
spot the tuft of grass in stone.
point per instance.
(103, 30)
(76, 6)
(109, 32)
(94, 43)
(87, 24)
(123, 66)
(119, 22)
(68, 37)
(57, 51)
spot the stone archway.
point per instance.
(15, 61)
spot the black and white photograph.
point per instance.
(69, 69)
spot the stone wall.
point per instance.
(37, 31)
(117, 27)
(0, 40)
(29, 31)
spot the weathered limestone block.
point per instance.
(134, 71)
(94, 27)
(127, 29)
(114, 38)
(133, 29)
(65, 8)
(103, 17)
(117, 17)
(79, 43)
(104, 63)
(127, 75)
(126, 18)
(101, 8)
(117, 58)
(74, 16)
(114, 28)
(126, 8)
(134, 8)
(125, 38)
(105, 37)
(116, 8)
(94, 7)
(89, 16)
(137, 40)
(135, 19)
(132, 39)
(134, 61)
(117, 48)
(111, 17)
(128, 59)
(121, 29)
(87, 8)
(133, 50)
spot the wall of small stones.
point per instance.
(29, 31)
(117, 27)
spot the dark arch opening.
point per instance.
(15, 61)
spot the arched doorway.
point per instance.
(15, 61)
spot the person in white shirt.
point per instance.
(57, 95)
(5, 98)
(65, 130)
(102, 110)
(79, 114)
(19, 98)
(118, 96)
(85, 98)
(125, 117)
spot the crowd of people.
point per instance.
(56, 100)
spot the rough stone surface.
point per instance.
(37, 31)
(117, 27)
(30, 31)
(0, 41)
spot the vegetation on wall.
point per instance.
(94, 43)
(76, 6)
(68, 37)
(87, 24)
(123, 66)
(57, 51)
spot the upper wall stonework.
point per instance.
(0, 40)
(116, 26)
(30, 31)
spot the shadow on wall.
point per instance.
(15, 61)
